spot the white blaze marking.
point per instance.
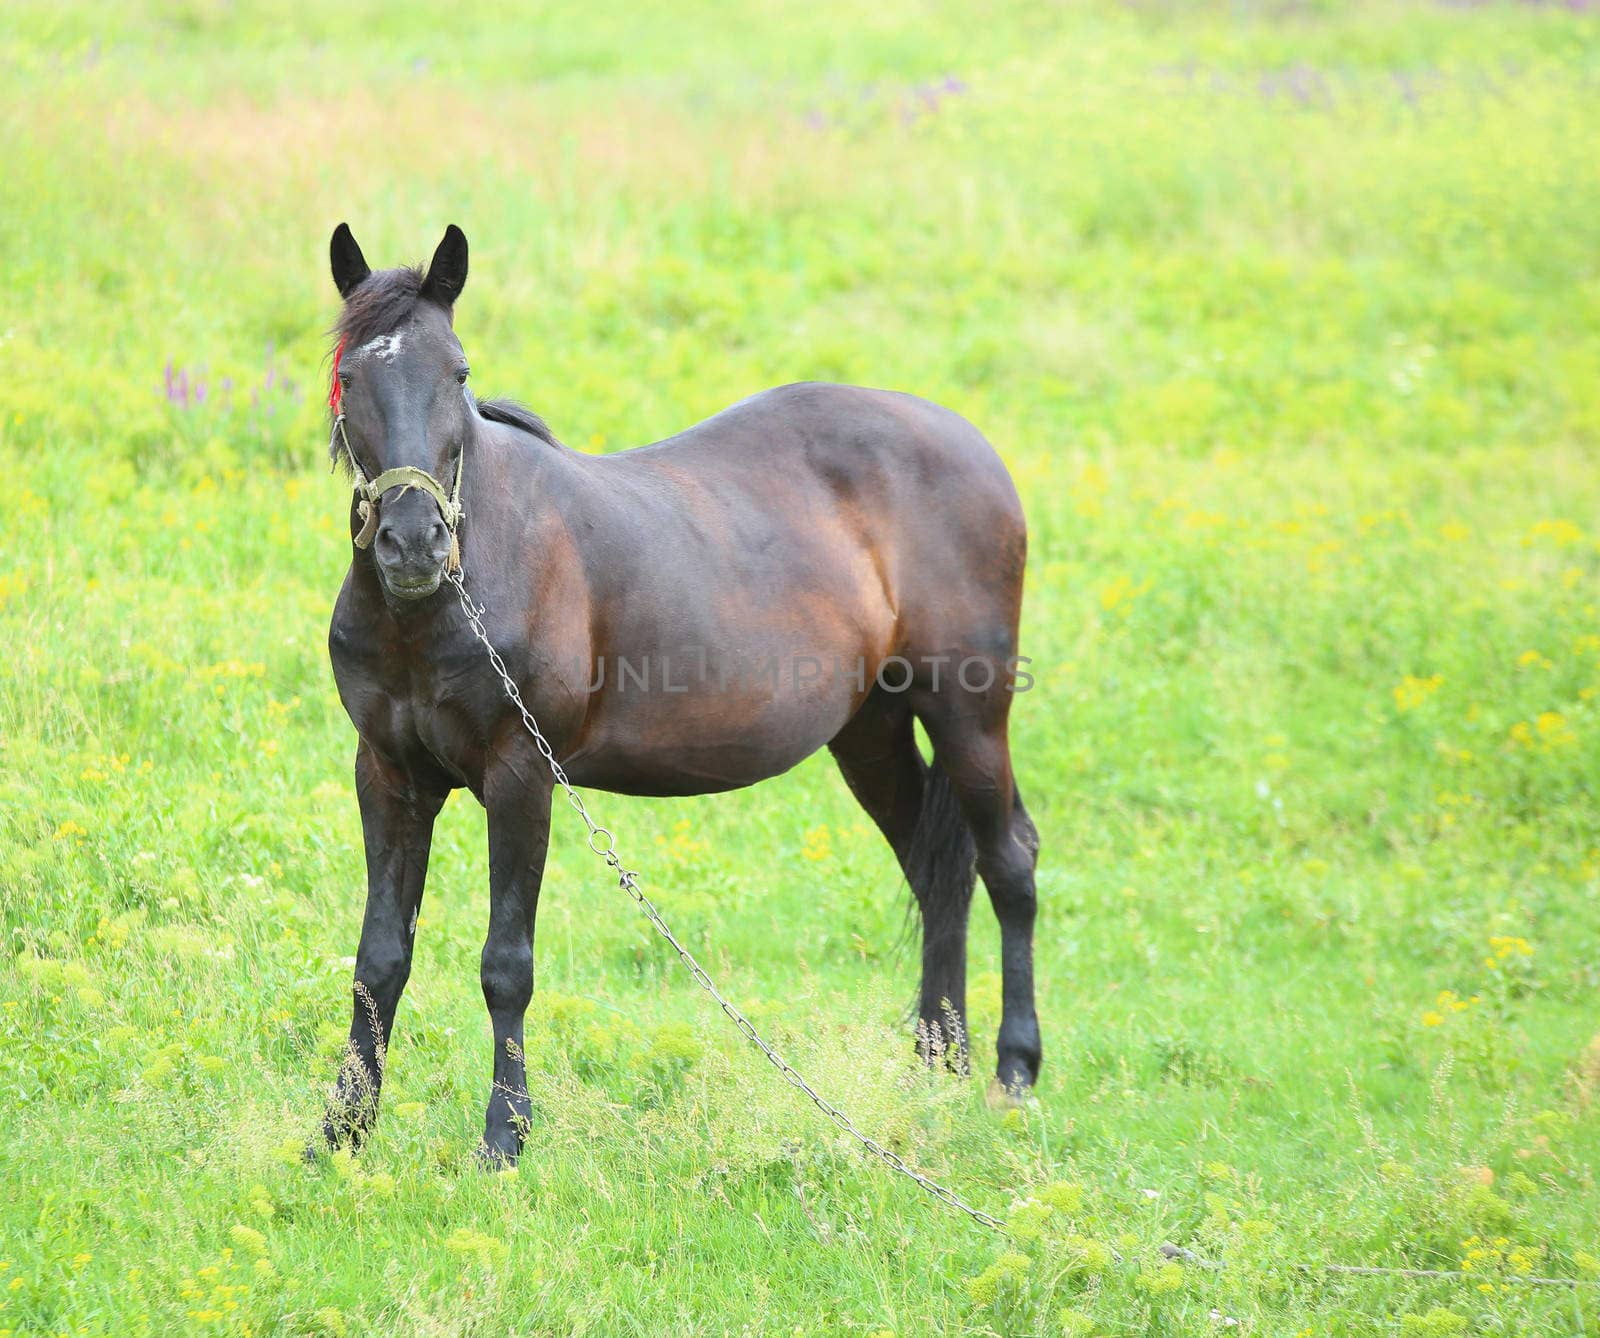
(386, 347)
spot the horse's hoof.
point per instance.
(493, 1157)
(1003, 1096)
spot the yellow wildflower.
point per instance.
(1410, 692)
(818, 844)
(1121, 591)
(1554, 731)
(1560, 532)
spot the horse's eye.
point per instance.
(461, 376)
(344, 380)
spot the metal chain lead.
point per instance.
(603, 843)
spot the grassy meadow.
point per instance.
(1286, 317)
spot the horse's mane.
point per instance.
(384, 301)
(516, 415)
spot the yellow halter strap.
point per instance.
(404, 477)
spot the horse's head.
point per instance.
(400, 407)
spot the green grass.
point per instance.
(1287, 320)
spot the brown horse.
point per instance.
(818, 565)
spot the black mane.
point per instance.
(518, 416)
(384, 301)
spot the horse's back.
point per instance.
(851, 437)
(913, 479)
(915, 483)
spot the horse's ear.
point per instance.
(447, 274)
(349, 265)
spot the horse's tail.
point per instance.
(940, 865)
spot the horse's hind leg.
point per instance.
(915, 808)
(970, 746)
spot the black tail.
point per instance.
(940, 864)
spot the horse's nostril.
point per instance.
(436, 534)
(386, 539)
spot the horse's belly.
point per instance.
(663, 742)
(737, 672)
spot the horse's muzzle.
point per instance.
(411, 550)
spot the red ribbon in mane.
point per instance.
(335, 390)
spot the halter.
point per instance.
(404, 477)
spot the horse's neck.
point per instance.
(509, 470)
(518, 486)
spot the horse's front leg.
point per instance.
(397, 813)
(517, 796)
